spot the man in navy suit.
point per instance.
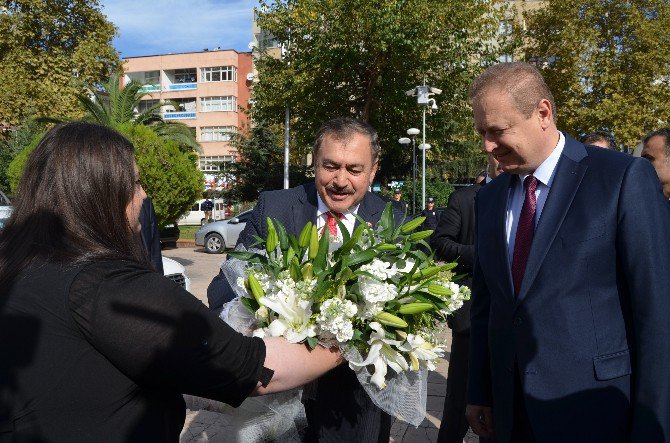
(345, 155)
(570, 316)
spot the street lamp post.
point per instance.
(406, 141)
(412, 132)
(424, 147)
(423, 98)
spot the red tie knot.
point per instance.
(530, 183)
(331, 222)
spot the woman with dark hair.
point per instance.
(93, 345)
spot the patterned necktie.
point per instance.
(524, 233)
(332, 223)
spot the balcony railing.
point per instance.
(181, 86)
(151, 88)
(178, 115)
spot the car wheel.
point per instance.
(214, 244)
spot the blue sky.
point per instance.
(164, 26)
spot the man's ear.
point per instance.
(545, 113)
(374, 171)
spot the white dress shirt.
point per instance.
(349, 219)
(545, 177)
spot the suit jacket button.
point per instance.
(518, 321)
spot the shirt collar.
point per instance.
(545, 172)
(322, 208)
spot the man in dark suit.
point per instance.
(656, 149)
(345, 156)
(570, 315)
(150, 236)
(453, 240)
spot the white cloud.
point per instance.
(171, 26)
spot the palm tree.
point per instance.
(112, 106)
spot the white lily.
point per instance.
(421, 350)
(294, 319)
(381, 355)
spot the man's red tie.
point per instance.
(524, 233)
(332, 223)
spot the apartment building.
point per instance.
(209, 90)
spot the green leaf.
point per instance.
(412, 224)
(360, 257)
(320, 259)
(248, 256)
(312, 342)
(343, 230)
(250, 304)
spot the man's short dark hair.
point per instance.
(343, 128)
(522, 81)
(605, 136)
(665, 133)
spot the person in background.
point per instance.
(397, 201)
(656, 149)
(602, 139)
(453, 240)
(94, 344)
(430, 213)
(150, 236)
(207, 206)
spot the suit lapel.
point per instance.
(568, 176)
(500, 238)
(366, 211)
(305, 210)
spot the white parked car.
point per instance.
(174, 270)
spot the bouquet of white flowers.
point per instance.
(379, 297)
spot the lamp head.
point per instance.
(413, 131)
(404, 141)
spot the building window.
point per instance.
(152, 77)
(146, 104)
(184, 75)
(219, 74)
(506, 28)
(211, 163)
(216, 133)
(227, 103)
(506, 58)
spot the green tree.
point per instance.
(358, 57)
(260, 166)
(19, 137)
(114, 106)
(606, 61)
(169, 176)
(48, 51)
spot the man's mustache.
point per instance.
(338, 190)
